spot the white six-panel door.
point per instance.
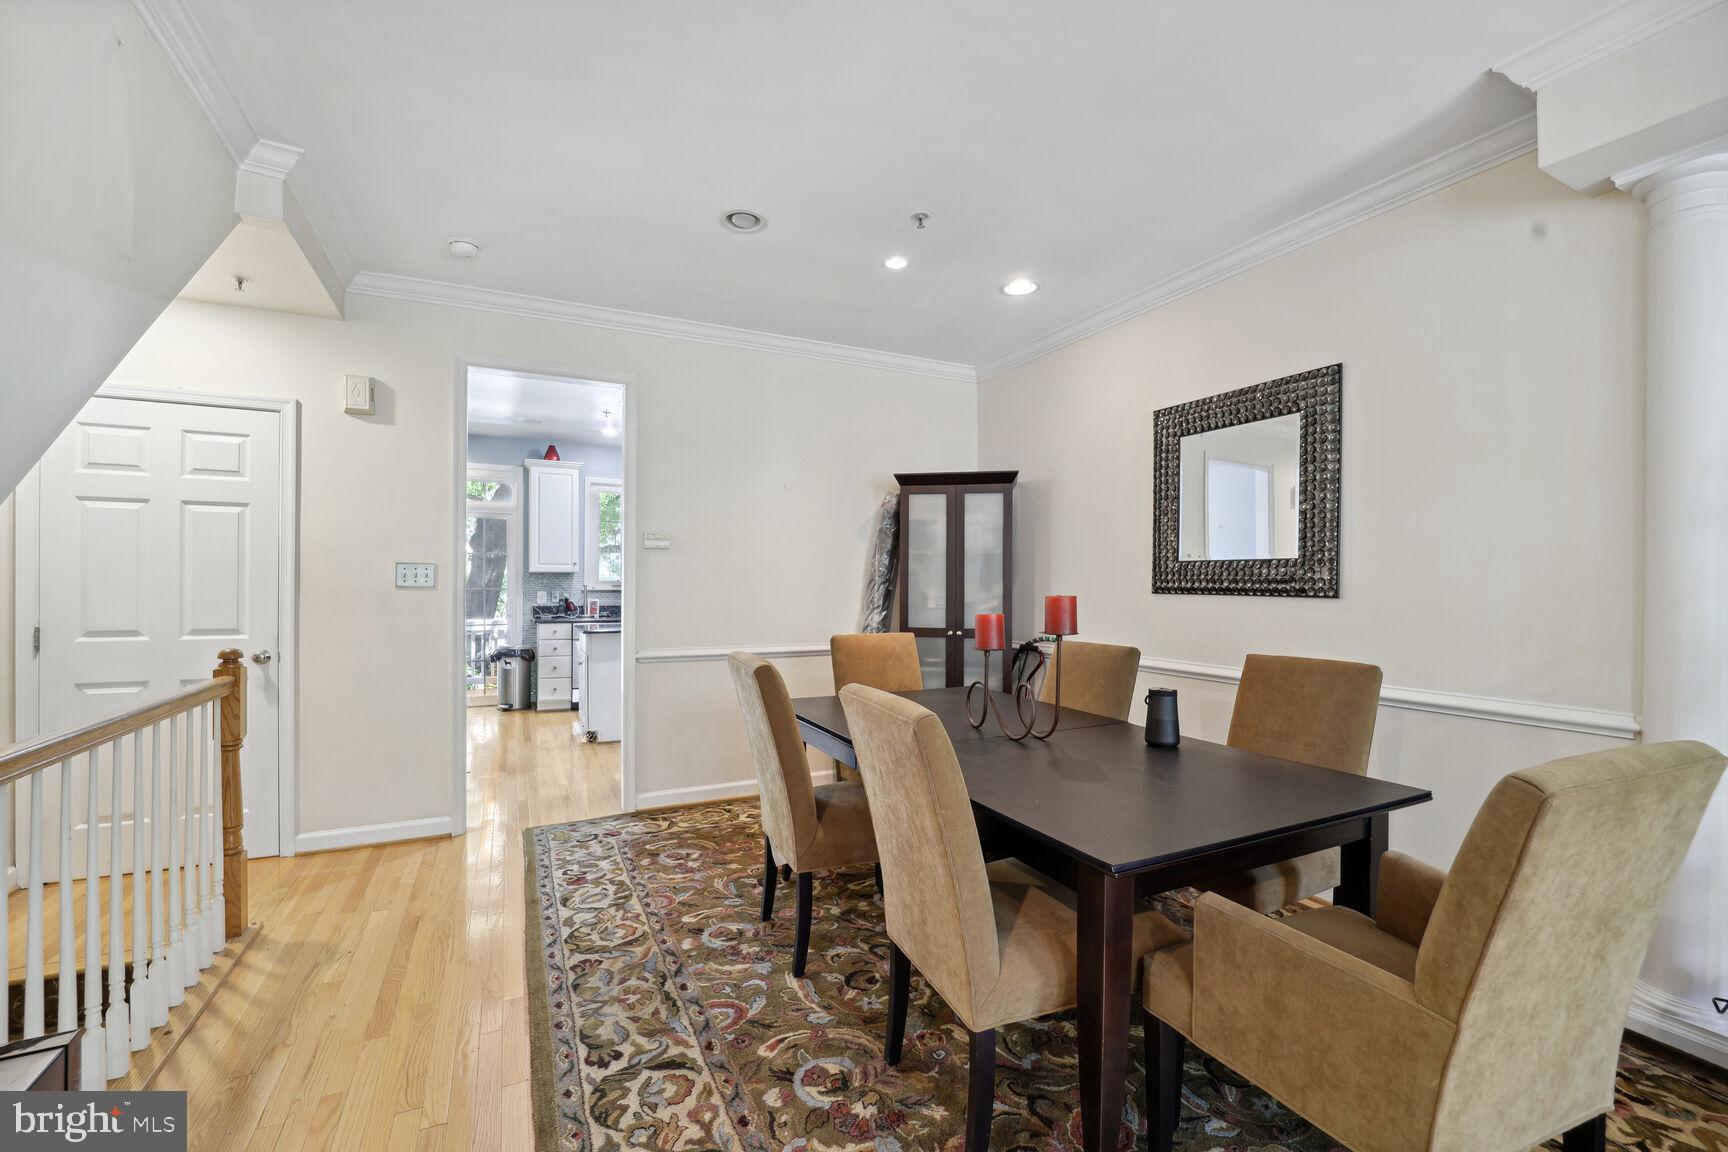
(158, 548)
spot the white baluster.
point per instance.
(117, 1027)
(218, 911)
(92, 1069)
(158, 977)
(206, 831)
(68, 1015)
(140, 991)
(194, 907)
(174, 976)
(34, 1025)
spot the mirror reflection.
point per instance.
(1239, 491)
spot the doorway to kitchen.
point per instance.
(543, 562)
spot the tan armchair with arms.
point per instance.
(811, 826)
(1481, 1010)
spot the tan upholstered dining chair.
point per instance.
(996, 941)
(1317, 712)
(885, 660)
(1481, 1010)
(812, 827)
(1096, 678)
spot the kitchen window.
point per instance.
(603, 529)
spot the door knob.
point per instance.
(262, 656)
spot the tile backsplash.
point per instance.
(556, 585)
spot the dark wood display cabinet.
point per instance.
(956, 560)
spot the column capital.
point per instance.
(1695, 186)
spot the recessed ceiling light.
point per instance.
(463, 248)
(529, 420)
(740, 220)
(1020, 286)
(895, 262)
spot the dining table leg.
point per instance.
(1105, 980)
(1359, 873)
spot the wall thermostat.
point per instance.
(359, 395)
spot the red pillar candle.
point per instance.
(989, 631)
(1061, 615)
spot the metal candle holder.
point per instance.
(1022, 697)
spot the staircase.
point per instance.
(162, 871)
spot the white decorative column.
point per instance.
(1686, 573)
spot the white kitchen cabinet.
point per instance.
(601, 684)
(554, 516)
(552, 643)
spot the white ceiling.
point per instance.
(501, 403)
(1097, 148)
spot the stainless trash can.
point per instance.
(515, 678)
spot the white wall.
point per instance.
(765, 469)
(116, 189)
(1491, 342)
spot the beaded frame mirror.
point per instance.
(1318, 397)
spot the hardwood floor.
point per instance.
(382, 1005)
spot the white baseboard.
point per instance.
(1656, 1014)
(363, 835)
(670, 797)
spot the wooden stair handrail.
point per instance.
(19, 760)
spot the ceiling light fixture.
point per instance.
(1020, 286)
(529, 420)
(609, 428)
(742, 220)
(463, 248)
(894, 262)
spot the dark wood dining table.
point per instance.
(1099, 809)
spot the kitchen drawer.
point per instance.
(546, 646)
(554, 668)
(554, 696)
(552, 632)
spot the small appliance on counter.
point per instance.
(514, 678)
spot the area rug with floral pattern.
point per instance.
(664, 1015)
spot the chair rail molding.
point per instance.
(1564, 717)
(693, 655)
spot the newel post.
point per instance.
(233, 803)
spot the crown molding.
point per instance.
(569, 312)
(271, 158)
(1596, 38)
(1459, 163)
(189, 54)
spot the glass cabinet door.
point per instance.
(983, 554)
(927, 603)
(955, 551)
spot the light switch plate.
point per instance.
(359, 395)
(416, 575)
(656, 540)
